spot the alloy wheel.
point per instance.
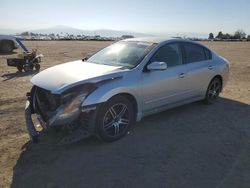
(214, 90)
(116, 120)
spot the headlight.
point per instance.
(66, 113)
(70, 108)
(75, 103)
(67, 97)
(77, 91)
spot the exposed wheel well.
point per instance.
(131, 98)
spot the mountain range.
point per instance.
(63, 30)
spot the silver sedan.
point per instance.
(105, 94)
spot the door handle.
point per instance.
(182, 75)
(210, 67)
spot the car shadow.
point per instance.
(190, 146)
(18, 74)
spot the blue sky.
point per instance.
(148, 16)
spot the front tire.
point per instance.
(213, 91)
(114, 119)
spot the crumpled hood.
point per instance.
(60, 77)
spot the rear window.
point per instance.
(195, 53)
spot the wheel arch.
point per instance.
(95, 98)
(131, 98)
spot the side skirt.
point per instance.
(172, 105)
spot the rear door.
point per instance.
(199, 67)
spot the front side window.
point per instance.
(195, 53)
(170, 54)
(123, 54)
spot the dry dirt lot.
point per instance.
(191, 146)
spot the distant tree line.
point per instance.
(52, 35)
(66, 36)
(238, 35)
(26, 33)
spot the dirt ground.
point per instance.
(191, 146)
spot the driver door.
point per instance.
(162, 87)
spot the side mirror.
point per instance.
(157, 66)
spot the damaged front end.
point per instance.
(61, 110)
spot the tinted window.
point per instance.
(208, 54)
(195, 53)
(170, 54)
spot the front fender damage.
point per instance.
(79, 128)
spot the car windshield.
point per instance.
(123, 54)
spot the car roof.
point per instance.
(158, 40)
(154, 39)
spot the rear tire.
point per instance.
(114, 119)
(213, 91)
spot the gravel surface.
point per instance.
(190, 146)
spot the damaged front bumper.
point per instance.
(29, 123)
(84, 131)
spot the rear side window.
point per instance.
(208, 54)
(196, 53)
(170, 54)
